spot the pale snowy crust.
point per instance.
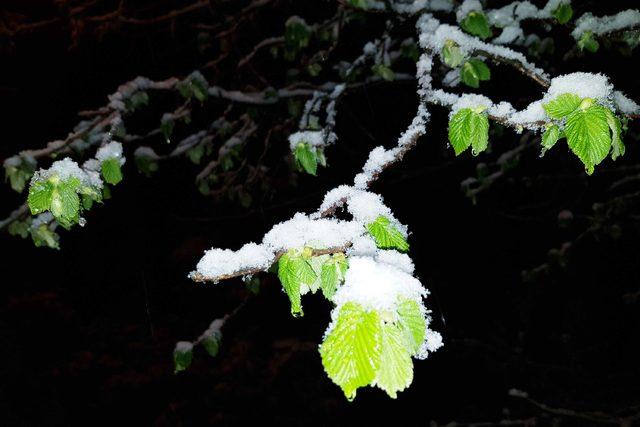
(65, 169)
(111, 150)
(377, 286)
(304, 231)
(606, 24)
(183, 347)
(314, 138)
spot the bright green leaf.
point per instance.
(40, 195)
(562, 106)
(477, 24)
(469, 128)
(413, 323)
(45, 236)
(111, 171)
(332, 274)
(294, 271)
(306, 158)
(396, 368)
(351, 350)
(65, 202)
(473, 72)
(386, 235)
(588, 135)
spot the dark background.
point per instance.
(87, 332)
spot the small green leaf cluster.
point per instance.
(308, 157)
(300, 271)
(194, 86)
(136, 101)
(210, 340)
(372, 347)
(469, 127)
(588, 42)
(18, 170)
(62, 198)
(297, 35)
(472, 71)
(41, 230)
(383, 71)
(592, 130)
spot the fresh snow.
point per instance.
(112, 150)
(585, 85)
(606, 24)
(377, 285)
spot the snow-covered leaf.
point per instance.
(42, 235)
(182, 356)
(386, 235)
(211, 343)
(562, 106)
(351, 350)
(477, 24)
(588, 135)
(469, 128)
(396, 368)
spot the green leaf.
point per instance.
(451, 54)
(383, 71)
(19, 228)
(413, 323)
(473, 72)
(386, 235)
(297, 35)
(617, 146)
(332, 274)
(200, 88)
(166, 127)
(211, 343)
(469, 128)
(477, 24)
(588, 135)
(351, 350)
(550, 137)
(195, 154)
(306, 158)
(588, 42)
(182, 356)
(396, 368)
(562, 105)
(294, 271)
(111, 171)
(65, 202)
(563, 13)
(40, 196)
(44, 236)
